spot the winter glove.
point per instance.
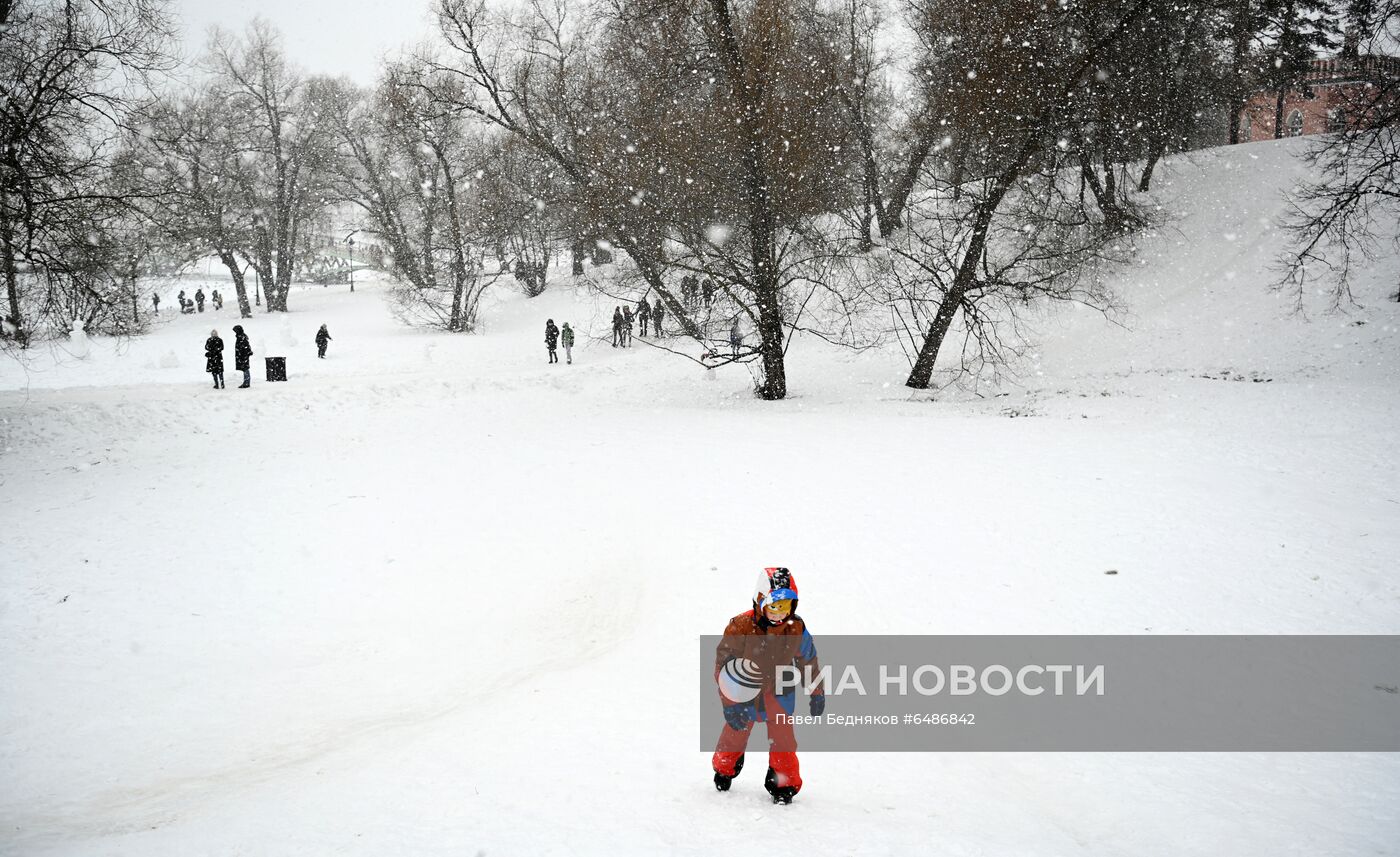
(739, 715)
(817, 704)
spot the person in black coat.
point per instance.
(551, 340)
(617, 325)
(242, 352)
(199, 299)
(643, 314)
(214, 358)
(323, 338)
(657, 313)
(626, 325)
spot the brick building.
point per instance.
(1328, 97)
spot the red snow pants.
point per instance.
(782, 746)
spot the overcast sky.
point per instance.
(323, 37)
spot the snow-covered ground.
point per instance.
(435, 596)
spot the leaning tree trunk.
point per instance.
(240, 288)
(1154, 154)
(904, 185)
(922, 373)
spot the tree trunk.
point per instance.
(240, 288)
(459, 259)
(1154, 155)
(762, 222)
(7, 239)
(922, 373)
(904, 185)
(578, 252)
(1105, 192)
(1278, 114)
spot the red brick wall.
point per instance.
(1258, 113)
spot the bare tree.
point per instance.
(281, 144)
(665, 120)
(1013, 85)
(415, 170)
(70, 75)
(1348, 214)
(190, 161)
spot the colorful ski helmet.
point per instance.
(775, 584)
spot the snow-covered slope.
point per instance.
(433, 595)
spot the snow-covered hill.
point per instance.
(433, 595)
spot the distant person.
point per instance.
(688, 289)
(617, 325)
(199, 299)
(181, 298)
(242, 354)
(567, 337)
(643, 314)
(323, 338)
(736, 338)
(218, 300)
(155, 299)
(551, 340)
(626, 325)
(657, 313)
(214, 358)
(707, 291)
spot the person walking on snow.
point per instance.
(323, 338)
(617, 325)
(242, 354)
(551, 340)
(214, 358)
(567, 337)
(770, 635)
(643, 314)
(656, 314)
(736, 338)
(155, 299)
(626, 325)
(199, 299)
(218, 300)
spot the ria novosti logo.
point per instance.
(952, 680)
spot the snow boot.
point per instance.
(781, 794)
(722, 782)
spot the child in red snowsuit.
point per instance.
(770, 635)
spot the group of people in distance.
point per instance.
(694, 292)
(693, 288)
(243, 354)
(190, 306)
(623, 319)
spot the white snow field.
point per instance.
(435, 596)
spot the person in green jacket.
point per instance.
(567, 337)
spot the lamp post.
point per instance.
(350, 242)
